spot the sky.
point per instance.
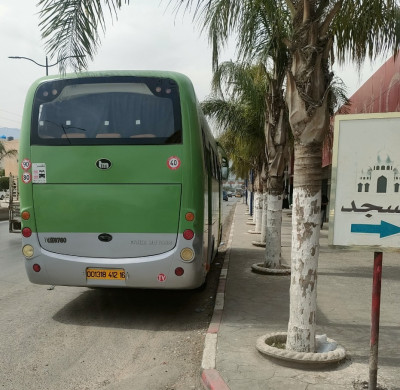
(147, 35)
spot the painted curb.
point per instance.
(210, 377)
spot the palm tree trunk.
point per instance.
(263, 237)
(274, 224)
(259, 211)
(305, 247)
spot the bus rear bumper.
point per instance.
(153, 272)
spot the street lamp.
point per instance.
(47, 66)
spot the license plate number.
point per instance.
(105, 274)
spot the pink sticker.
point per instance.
(174, 162)
(162, 277)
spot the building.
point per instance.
(379, 94)
(10, 164)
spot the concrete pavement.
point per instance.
(250, 305)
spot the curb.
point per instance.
(210, 377)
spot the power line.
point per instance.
(9, 120)
(12, 113)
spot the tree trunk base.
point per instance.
(253, 232)
(260, 244)
(273, 345)
(260, 269)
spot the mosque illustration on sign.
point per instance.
(382, 178)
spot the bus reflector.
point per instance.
(179, 271)
(26, 232)
(189, 217)
(36, 267)
(188, 234)
(27, 251)
(25, 215)
(187, 254)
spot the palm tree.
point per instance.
(352, 29)
(358, 28)
(251, 19)
(239, 113)
(319, 32)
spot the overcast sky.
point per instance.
(146, 36)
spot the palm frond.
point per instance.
(70, 28)
(6, 153)
(366, 28)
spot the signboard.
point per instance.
(365, 188)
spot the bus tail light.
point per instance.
(25, 215)
(189, 216)
(36, 267)
(26, 232)
(187, 254)
(27, 251)
(179, 271)
(188, 234)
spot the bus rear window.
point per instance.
(116, 110)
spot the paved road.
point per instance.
(80, 339)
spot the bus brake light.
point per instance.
(36, 267)
(188, 234)
(26, 232)
(179, 271)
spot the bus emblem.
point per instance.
(103, 163)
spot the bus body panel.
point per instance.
(141, 202)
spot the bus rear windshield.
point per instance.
(114, 110)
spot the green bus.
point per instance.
(120, 181)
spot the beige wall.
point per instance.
(10, 164)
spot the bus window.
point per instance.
(72, 111)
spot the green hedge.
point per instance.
(4, 183)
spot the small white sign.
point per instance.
(365, 190)
(39, 173)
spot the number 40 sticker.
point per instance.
(173, 162)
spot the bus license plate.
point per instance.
(105, 274)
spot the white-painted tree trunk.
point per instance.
(259, 210)
(255, 201)
(303, 287)
(273, 228)
(263, 237)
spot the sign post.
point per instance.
(365, 197)
(375, 314)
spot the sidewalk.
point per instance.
(250, 305)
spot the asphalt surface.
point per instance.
(72, 338)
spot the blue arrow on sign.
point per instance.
(385, 229)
